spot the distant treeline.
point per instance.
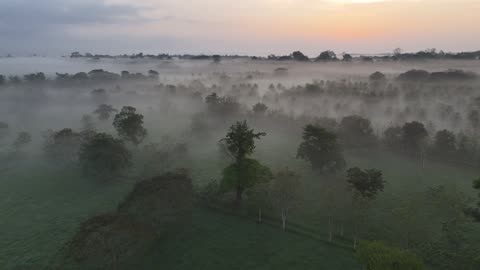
(325, 56)
(377, 78)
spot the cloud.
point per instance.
(30, 17)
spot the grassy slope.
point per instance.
(40, 210)
(228, 242)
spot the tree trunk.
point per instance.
(284, 219)
(238, 198)
(330, 230)
(355, 236)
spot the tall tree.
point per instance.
(355, 130)
(321, 149)
(22, 140)
(104, 111)
(129, 125)
(242, 174)
(104, 155)
(285, 192)
(240, 140)
(415, 137)
(366, 184)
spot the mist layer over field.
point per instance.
(188, 106)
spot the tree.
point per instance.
(444, 143)
(377, 256)
(129, 125)
(240, 140)
(2, 79)
(153, 74)
(243, 175)
(240, 143)
(63, 145)
(355, 130)
(22, 140)
(104, 111)
(377, 77)
(347, 57)
(415, 138)
(475, 212)
(259, 196)
(104, 155)
(216, 58)
(260, 108)
(321, 149)
(4, 128)
(285, 192)
(35, 77)
(326, 56)
(99, 95)
(366, 184)
(299, 56)
(413, 134)
(224, 106)
(393, 138)
(474, 119)
(87, 123)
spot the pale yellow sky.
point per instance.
(271, 26)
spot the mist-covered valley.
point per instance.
(235, 163)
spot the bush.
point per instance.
(377, 256)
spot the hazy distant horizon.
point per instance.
(249, 27)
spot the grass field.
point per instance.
(40, 209)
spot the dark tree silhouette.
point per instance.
(321, 149)
(104, 111)
(129, 125)
(104, 155)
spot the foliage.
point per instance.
(223, 106)
(299, 56)
(154, 209)
(321, 149)
(240, 140)
(326, 56)
(366, 183)
(444, 143)
(63, 145)
(104, 155)
(414, 136)
(393, 138)
(244, 175)
(377, 76)
(377, 256)
(355, 130)
(260, 108)
(4, 128)
(129, 125)
(23, 139)
(285, 192)
(104, 111)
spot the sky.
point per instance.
(249, 27)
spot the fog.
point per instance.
(186, 107)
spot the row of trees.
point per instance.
(282, 190)
(95, 75)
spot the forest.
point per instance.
(214, 162)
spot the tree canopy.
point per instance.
(321, 149)
(129, 125)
